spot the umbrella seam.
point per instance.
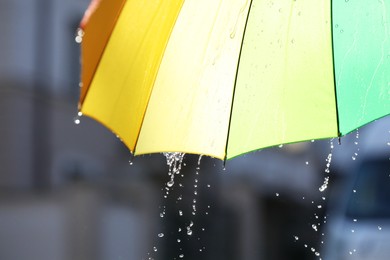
(334, 68)
(235, 83)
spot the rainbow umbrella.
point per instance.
(226, 77)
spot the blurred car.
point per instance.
(359, 226)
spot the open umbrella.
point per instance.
(225, 77)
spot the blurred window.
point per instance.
(370, 197)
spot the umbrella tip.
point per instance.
(224, 164)
(131, 159)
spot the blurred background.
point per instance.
(68, 191)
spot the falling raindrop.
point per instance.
(79, 35)
(171, 182)
(324, 186)
(356, 153)
(314, 227)
(77, 119)
(174, 162)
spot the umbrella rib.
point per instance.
(334, 69)
(235, 83)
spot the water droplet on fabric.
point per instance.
(155, 249)
(161, 235)
(181, 256)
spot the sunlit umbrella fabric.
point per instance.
(225, 77)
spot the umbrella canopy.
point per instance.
(225, 77)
